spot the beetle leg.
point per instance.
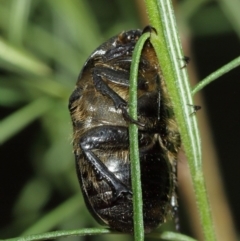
(119, 51)
(103, 88)
(119, 77)
(118, 101)
(74, 96)
(104, 137)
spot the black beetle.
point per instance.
(98, 108)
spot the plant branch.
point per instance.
(169, 51)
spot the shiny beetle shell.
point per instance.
(98, 108)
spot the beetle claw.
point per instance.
(129, 118)
(121, 193)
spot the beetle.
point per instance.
(99, 112)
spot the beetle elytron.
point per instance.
(99, 111)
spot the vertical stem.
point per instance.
(168, 50)
(133, 141)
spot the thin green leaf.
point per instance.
(17, 20)
(28, 201)
(22, 60)
(47, 86)
(21, 118)
(10, 96)
(55, 217)
(216, 74)
(62, 233)
(55, 48)
(76, 15)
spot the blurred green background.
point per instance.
(43, 45)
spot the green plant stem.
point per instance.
(168, 50)
(133, 141)
(62, 233)
(216, 74)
